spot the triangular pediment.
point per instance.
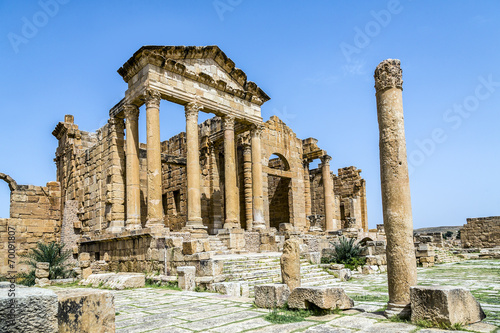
(206, 64)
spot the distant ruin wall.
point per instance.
(481, 232)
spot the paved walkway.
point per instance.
(162, 310)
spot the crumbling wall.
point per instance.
(351, 189)
(481, 232)
(35, 215)
(91, 169)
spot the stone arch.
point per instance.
(11, 182)
(283, 165)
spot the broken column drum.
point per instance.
(396, 200)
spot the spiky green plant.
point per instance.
(346, 252)
(53, 253)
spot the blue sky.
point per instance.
(314, 59)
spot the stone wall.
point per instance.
(481, 232)
(35, 215)
(349, 197)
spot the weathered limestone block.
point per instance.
(244, 289)
(43, 282)
(86, 311)
(173, 242)
(313, 257)
(228, 288)
(210, 267)
(290, 264)
(444, 304)
(83, 256)
(118, 281)
(192, 247)
(327, 298)
(43, 266)
(86, 272)
(271, 295)
(186, 275)
(35, 310)
(345, 274)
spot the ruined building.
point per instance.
(234, 175)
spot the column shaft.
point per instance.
(257, 191)
(396, 201)
(194, 219)
(307, 189)
(328, 193)
(154, 204)
(133, 189)
(231, 190)
(247, 178)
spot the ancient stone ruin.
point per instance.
(235, 180)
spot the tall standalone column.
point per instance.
(154, 204)
(230, 188)
(194, 219)
(132, 167)
(258, 195)
(328, 192)
(396, 202)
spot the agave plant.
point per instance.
(345, 249)
(53, 253)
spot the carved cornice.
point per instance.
(388, 74)
(228, 122)
(131, 112)
(165, 57)
(152, 98)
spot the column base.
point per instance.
(136, 225)
(115, 227)
(231, 224)
(195, 224)
(259, 226)
(401, 310)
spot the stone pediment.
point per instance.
(205, 64)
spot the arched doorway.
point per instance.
(279, 191)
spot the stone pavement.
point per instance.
(164, 310)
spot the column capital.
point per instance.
(191, 109)
(152, 98)
(228, 122)
(131, 112)
(257, 130)
(388, 74)
(325, 159)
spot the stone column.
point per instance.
(307, 189)
(131, 113)
(398, 224)
(258, 195)
(328, 192)
(230, 190)
(194, 219)
(247, 178)
(154, 202)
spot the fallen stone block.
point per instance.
(345, 274)
(192, 247)
(186, 275)
(228, 288)
(31, 310)
(290, 264)
(271, 295)
(313, 257)
(244, 289)
(444, 304)
(327, 298)
(118, 281)
(86, 311)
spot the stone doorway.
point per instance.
(279, 192)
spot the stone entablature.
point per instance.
(481, 232)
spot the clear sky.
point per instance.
(315, 60)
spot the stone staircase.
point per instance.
(265, 268)
(217, 245)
